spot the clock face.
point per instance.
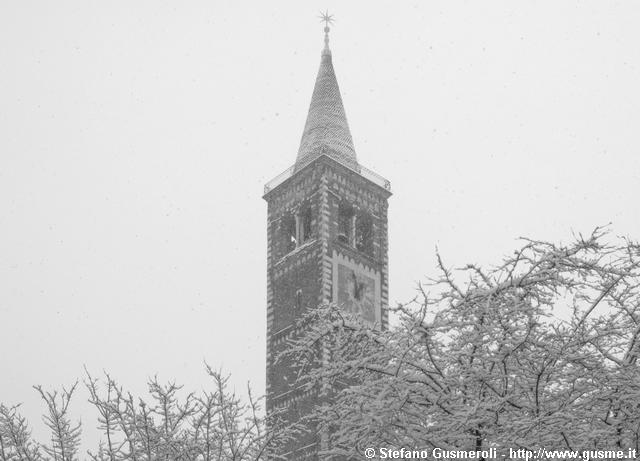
(356, 293)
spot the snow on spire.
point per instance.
(326, 130)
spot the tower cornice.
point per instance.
(365, 174)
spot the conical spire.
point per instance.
(326, 131)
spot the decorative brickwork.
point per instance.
(301, 276)
(317, 252)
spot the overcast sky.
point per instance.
(136, 137)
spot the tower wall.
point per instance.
(346, 186)
(314, 271)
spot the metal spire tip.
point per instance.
(328, 20)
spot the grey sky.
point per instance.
(135, 138)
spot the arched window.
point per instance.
(305, 223)
(364, 233)
(288, 233)
(345, 223)
(296, 229)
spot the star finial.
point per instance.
(328, 20)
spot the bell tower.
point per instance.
(326, 242)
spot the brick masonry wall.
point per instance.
(321, 186)
(345, 185)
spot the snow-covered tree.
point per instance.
(215, 425)
(65, 436)
(15, 437)
(539, 351)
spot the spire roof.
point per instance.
(326, 130)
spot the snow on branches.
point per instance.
(540, 350)
(212, 426)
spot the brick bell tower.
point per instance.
(326, 242)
